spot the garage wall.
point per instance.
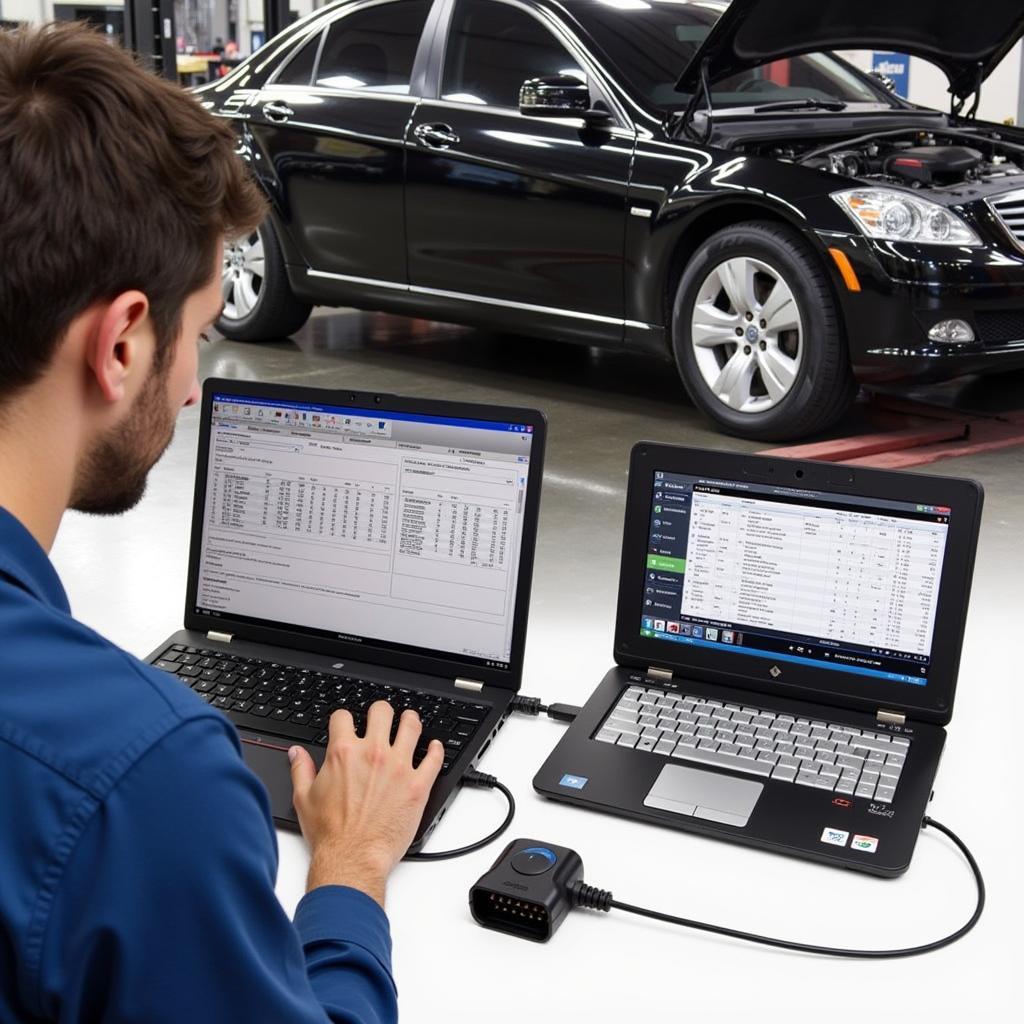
(1000, 96)
(26, 10)
(250, 13)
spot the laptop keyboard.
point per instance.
(822, 755)
(297, 702)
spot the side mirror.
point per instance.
(559, 96)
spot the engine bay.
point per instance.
(917, 158)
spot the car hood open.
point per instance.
(966, 40)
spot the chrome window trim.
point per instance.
(528, 307)
(329, 92)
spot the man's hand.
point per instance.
(360, 812)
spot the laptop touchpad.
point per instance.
(704, 795)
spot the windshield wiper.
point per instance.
(801, 105)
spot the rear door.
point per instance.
(332, 123)
(510, 211)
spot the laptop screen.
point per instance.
(840, 582)
(365, 525)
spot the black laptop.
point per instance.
(349, 547)
(787, 643)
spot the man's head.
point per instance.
(116, 192)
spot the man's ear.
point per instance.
(120, 343)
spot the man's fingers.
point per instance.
(378, 722)
(409, 729)
(432, 761)
(303, 770)
(341, 727)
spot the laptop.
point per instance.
(348, 547)
(787, 642)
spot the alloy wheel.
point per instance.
(242, 276)
(747, 335)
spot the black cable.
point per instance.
(483, 781)
(532, 707)
(527, 705)
(600, 899)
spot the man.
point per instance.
(137, 854)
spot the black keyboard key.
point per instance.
(190, 671)
(204, 686)
(210, 673)
(262, 710)
(167, 666)
(177, 647)
(281, 714)
(222, 702)
(241, 705)
(187, 659)
(220, 688)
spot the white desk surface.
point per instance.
(126, 577)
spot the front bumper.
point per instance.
(905, 290)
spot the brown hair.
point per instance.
(110, 179)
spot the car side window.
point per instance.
(299, 70)
(493, 48)
(373, 48)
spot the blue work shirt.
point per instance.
(137, 850)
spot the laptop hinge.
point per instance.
(224, 638)
(887, 717)
(659, 673)
(469, 684)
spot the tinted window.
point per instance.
(299, 70)
(373, 48)
(650, 43)
(493, 48)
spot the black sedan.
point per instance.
(701, 180)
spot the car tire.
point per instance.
(258, 300)
(756, 335)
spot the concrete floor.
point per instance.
(126, 577)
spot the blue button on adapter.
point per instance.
(534, 860)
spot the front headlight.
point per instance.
(887, 213)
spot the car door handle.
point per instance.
(277, 111)
(437, 136)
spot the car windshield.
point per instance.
(649, 42)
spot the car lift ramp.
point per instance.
(915, 434)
